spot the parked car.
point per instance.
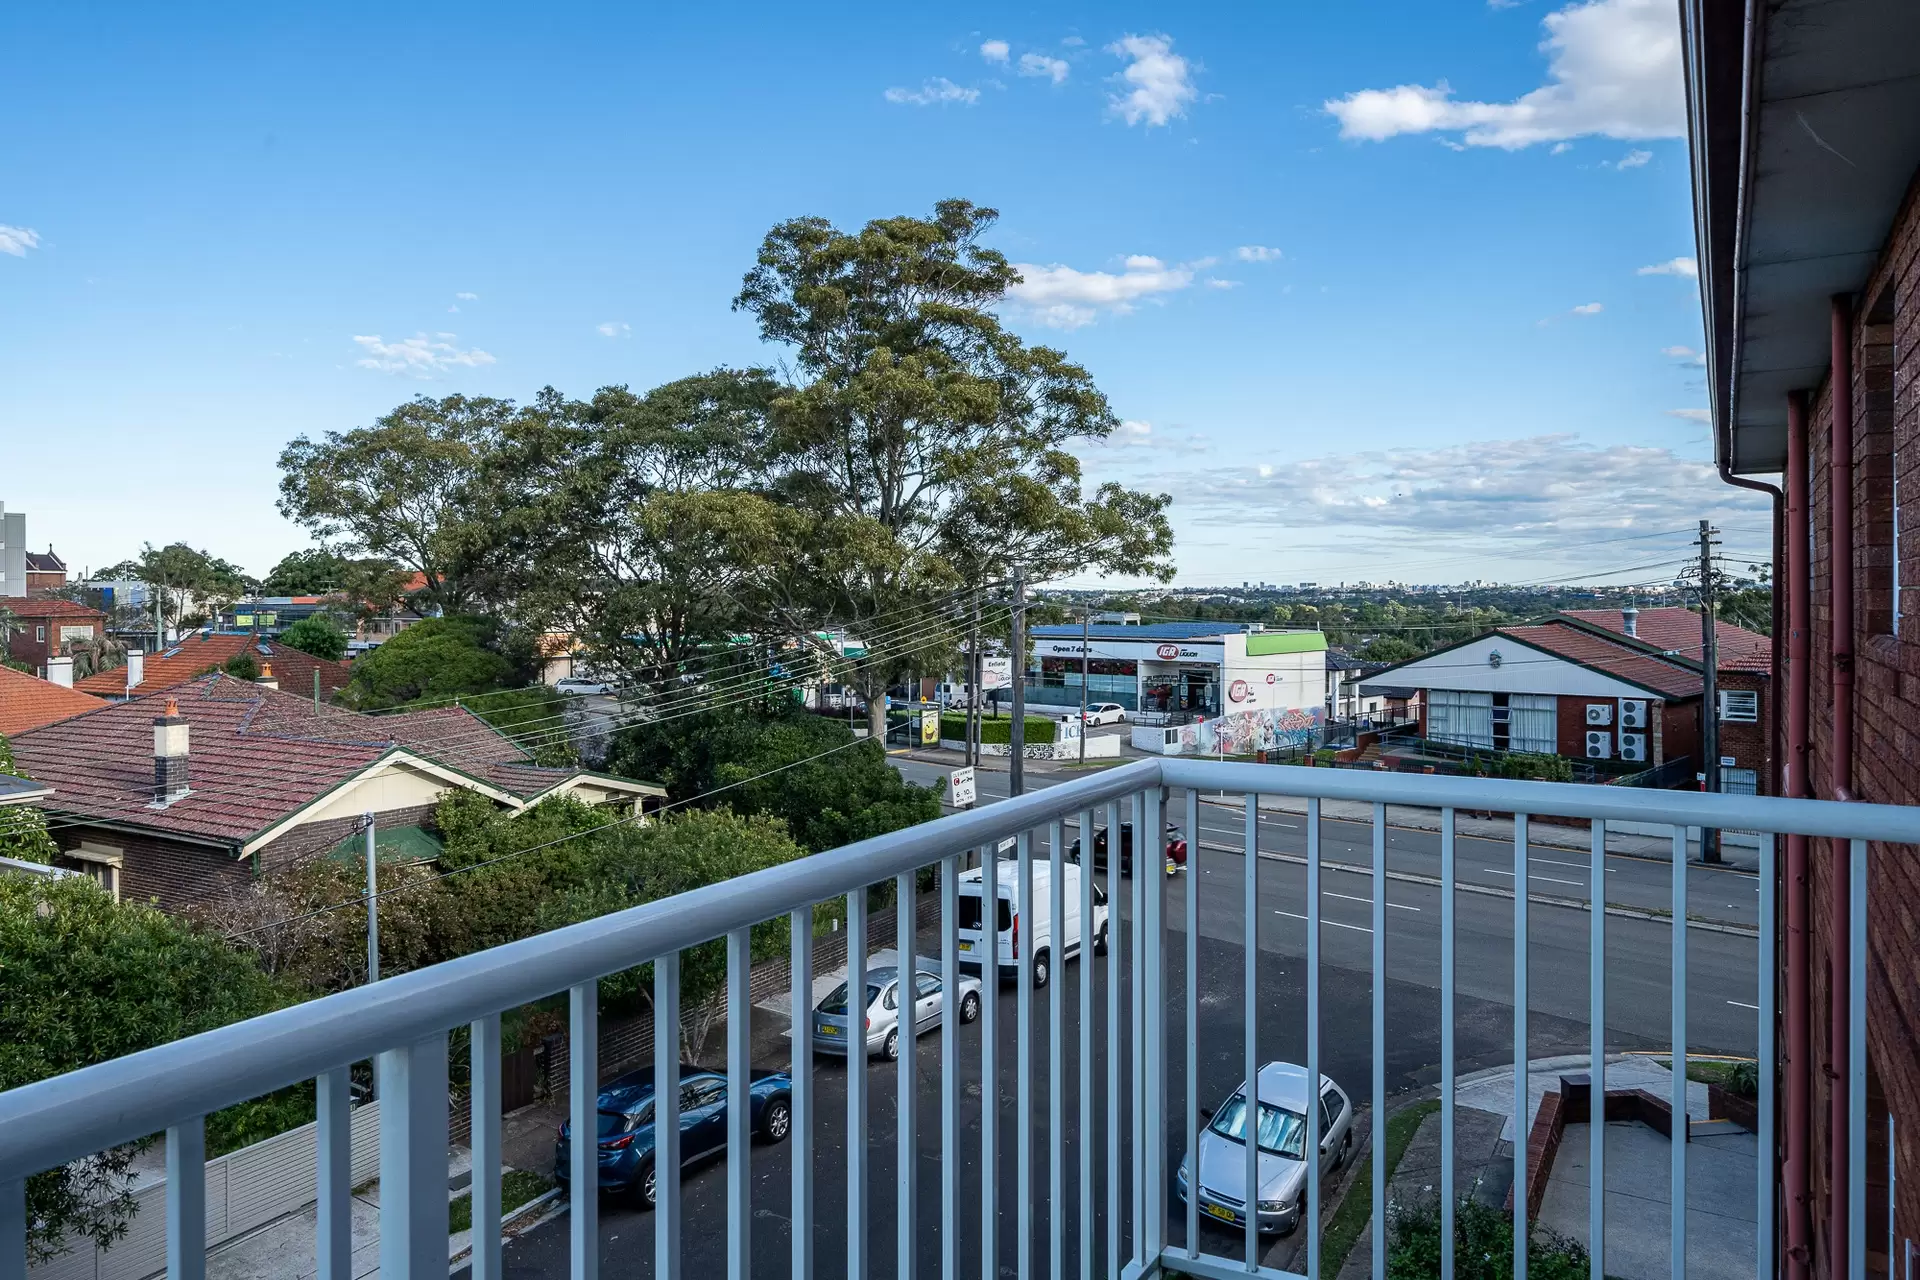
(581, 684)
(1106, 713)
(832, 1029)
(1175, 852)
(1282, 1160)
(626, 1126)
(1019, 924)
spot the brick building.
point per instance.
(45, 571)
(1804, 119)
(185, 794)
(42, 628)
(197, 654)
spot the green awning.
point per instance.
(392, 845)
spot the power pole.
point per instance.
(1017, 730)
(373, 907)
(1710, 692)
(976, 675)
(1086, 670)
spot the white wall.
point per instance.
(1522, 669)
(1298, 680)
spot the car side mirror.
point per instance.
(1206, 1113)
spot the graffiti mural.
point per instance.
(1245, 732)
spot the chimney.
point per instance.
(60, 671)
(169, 756)
(266, 676)
(136, 669)
(1630, 621)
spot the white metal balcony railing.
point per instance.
(1114, 1220)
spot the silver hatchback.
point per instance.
(1281, 1162)
(881, 1020)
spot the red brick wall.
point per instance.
(22, 646)
(1886, 737)
(1748, 744)
(169, 873)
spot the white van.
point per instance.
(1019, 926)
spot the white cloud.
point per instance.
(1039, 64)
(1158, 88)
(613, 329)
(419, 355)
(1063, 298)
(938, 90)
(1072, 42)
(467, 297)
(1264, 471)
(994, 50)
(1132, 431)
(1702, 416)
(1672, 267)
(1223, 284)
(1256, 253)
(1613, 69)
(1511, 489)
(17, 240)
(1587, 309)
(1561, 148)
(1684, 353)
(1634, 159)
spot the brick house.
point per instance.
(183, 795)
(1743, 671)
(1555, 689)
(1807, 213)
(43, 628)
(196, 654)
(45, 571)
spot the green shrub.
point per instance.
(1039, 728)
(1482, 1245)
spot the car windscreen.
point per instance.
(836, 1001)
(614, 1123)
(970, 913)
(1284, 1133)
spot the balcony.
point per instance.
(1098, 1080)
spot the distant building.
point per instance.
(43, 628)
(13, 552)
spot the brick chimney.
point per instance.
(1630, 621)
(169, 756)
(136, 669)
(60, 671)
(266, 676)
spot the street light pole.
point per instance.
(1710, 688)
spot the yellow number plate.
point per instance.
(966, 946)
(1225, 1215)
(829, 1030)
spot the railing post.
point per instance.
(950, 1068)
(187, 1200)
(583, 1115)
(484, 1050)
(1380, 1046)
(1522, 1115)
(1448, 1204)
(1151, 871)
(800, 942)
(1115, 1045)
(13, 1225)
(333, 1178)
(905, 1100)
(857, 1084)
(1029, 947)
(989, 1060)
(739, 1104)
(666, 1117)
(1597, 1054)
(413, 1157)
(1677, 1242)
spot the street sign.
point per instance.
(960, 788)
(995, 673)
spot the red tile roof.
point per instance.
(37, 608)
(257, 756)
(194, 655)
(1621, 661)
(27, 702)
(1678, 631)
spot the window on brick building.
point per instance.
(1877, 455)
(1740, 706)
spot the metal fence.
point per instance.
(1110, 1217)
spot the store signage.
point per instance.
(1168, 651)
(995, 673)
(1272, 678)
(1240, 691)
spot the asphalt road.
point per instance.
(1721, 971)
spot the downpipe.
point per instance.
(1840, 635)
(1798, 585)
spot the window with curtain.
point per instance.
(1532, 724)
(1457, 716)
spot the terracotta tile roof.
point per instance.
(256, 755)
(36, 608)
(195, 654)
(1624, 662)
(27, 702)
(1678, 630)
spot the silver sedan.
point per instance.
(881, 1021)
(1282, 1161)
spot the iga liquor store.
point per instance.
(1172, 668)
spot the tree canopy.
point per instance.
(438, 658)
(23, 828)
(318, 635)
(184, 578)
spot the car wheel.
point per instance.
(1346, 1147)
(646, 1191)
(776, 1121)
(969, 1007)
(890, 1047)
(1299, 1212)
(1100, 941)
(1042, 969)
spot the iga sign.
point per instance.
(1240, 691)
(1168, 652)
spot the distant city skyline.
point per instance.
(1380, 292)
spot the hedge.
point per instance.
(1039, 728)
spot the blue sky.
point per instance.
(1387, 290)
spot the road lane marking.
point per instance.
(1369, 901)
(1742, 1004)
(1577, 866)
(1495, 871)
(1357, 928)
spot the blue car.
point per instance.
(626, 1126)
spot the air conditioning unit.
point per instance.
(1599, 744)
(1599, 713)
(1633, 746)
(1633, 714)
